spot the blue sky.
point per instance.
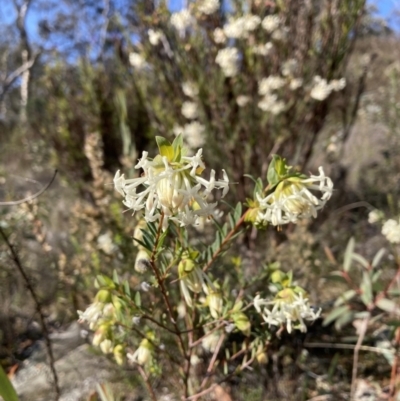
(7, 14)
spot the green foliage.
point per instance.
(6, 389)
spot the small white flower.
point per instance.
(251, 22)
(181, 21)
(145, 286)
(92, 314)
(321, 89)
(242, 100)
(338, 84)
(136, 320)
(234, 28)
(106, 346)
(230, 327)
(391, 230)
(374, 216)
(271, 22)
(194, 360)
(211, 340)
(155, 36)
(280, 34)
(177, 130)
(137, 61)
(105, 244)
(295, 83)
(271, 104)
(142, 355)
(209, 7)
(219, 36)
(190, 89)
(289, 67)
(240, 27)
(228, 59)
(190, 111)
(263, 50)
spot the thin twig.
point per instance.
(224, 242)
(30, 197)
(394, 377)
(362, 331)
(30, 288)
(146, 381)
(349, 346)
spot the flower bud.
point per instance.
(106, 346)
(119, 354)
(103, 296)
(242, 323)
(142, 262)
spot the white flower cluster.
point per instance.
(155, 36)
(181, 21)
(190, 89)
(292, 200)
(94, 313)
(270, 102)
(174, 188)
(263, 50)
(209, 7)
(391, 230)
(322, 89)
(192, 133)
(269, 84)
(289, 67)
(219, 36)
(293, 311)
(190, 110)
(137, 61)
(240, 27)
(374, 216)
(270, 23)
(243, 100)
(105, 243)
(228, 60)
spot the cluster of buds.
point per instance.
(101, 318)
(171, 185)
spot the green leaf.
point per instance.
(272, 173)
(388, 305)
(361, 260)
(343, 319)
(6, 389)
(165, 148)
(177, 145)
(378, 257)
(335, 314)
(366, 288)
(138, 300)
(127, 289)
(348, 255)
(115, 277)
(346, 296)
